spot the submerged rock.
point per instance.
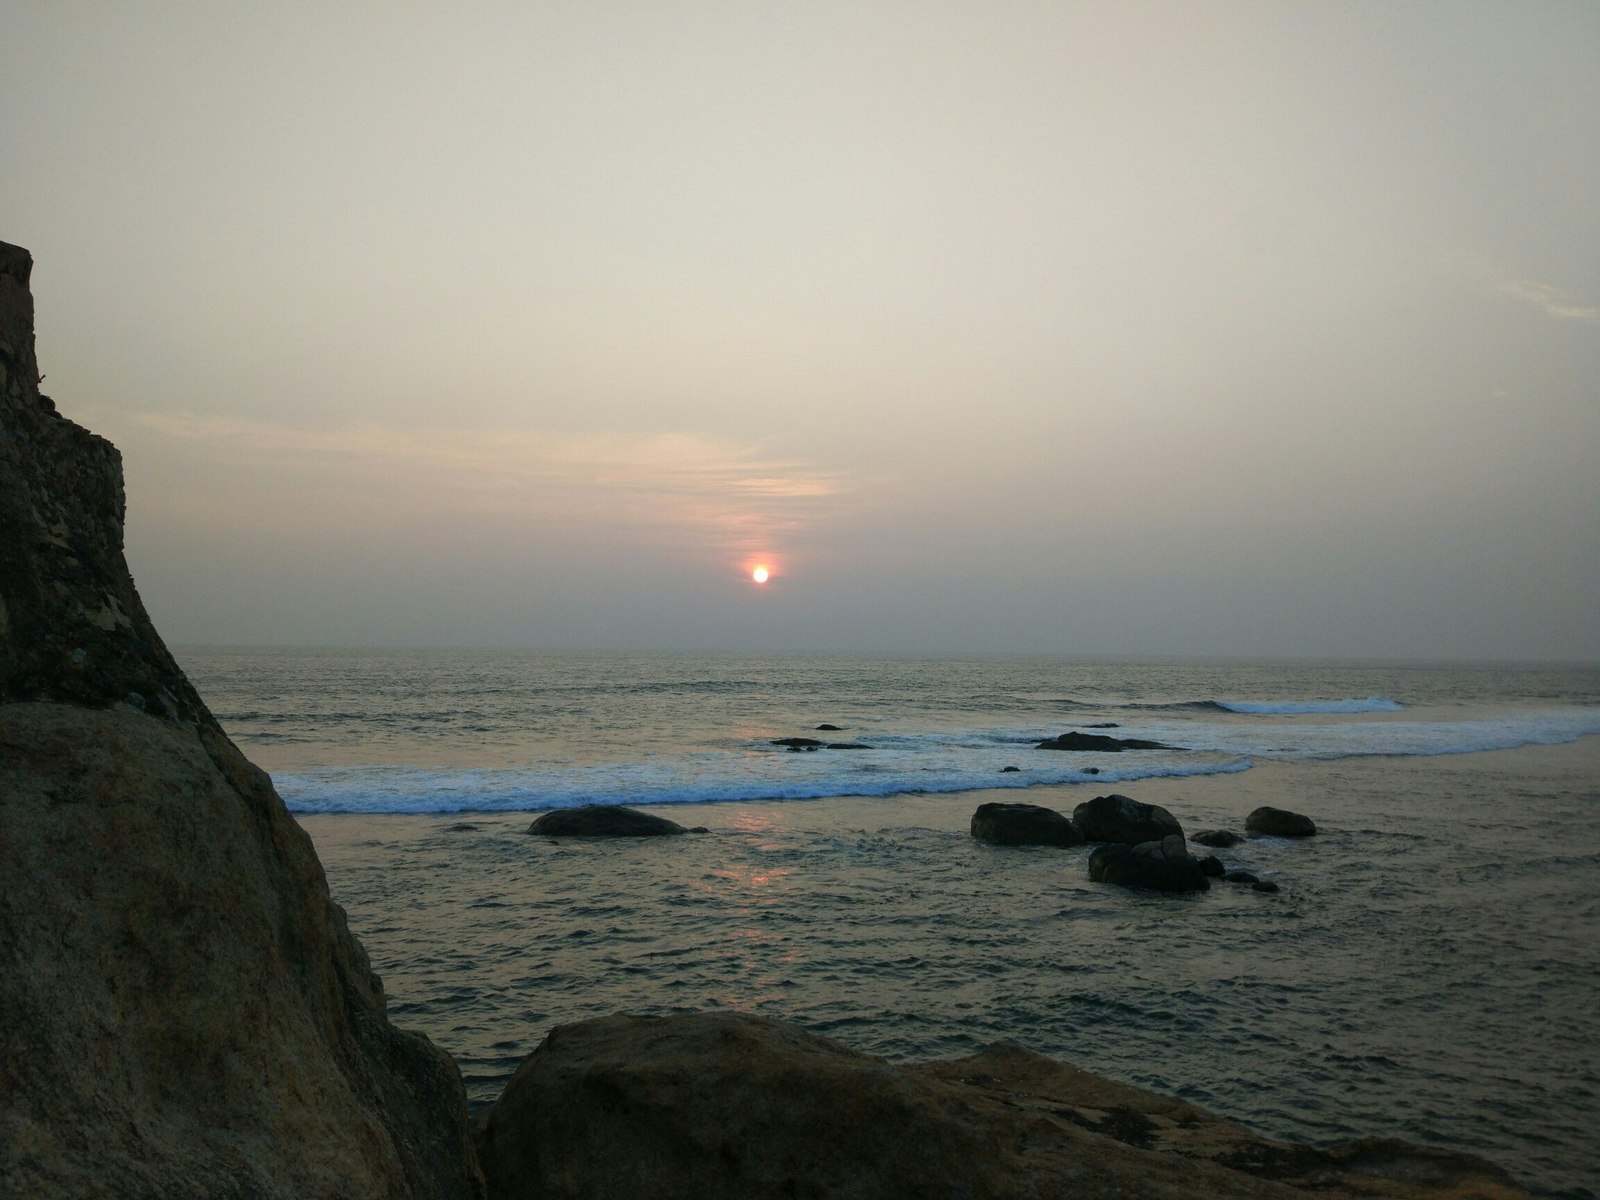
(1102, 742)
(186, 1013)
(730, 1106)
(1164, 866)
(1024, 825)
(603, 820)
(799, 743)
(1117, 818)
(1217, 839)
(1279, 822)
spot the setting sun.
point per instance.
(759, 574)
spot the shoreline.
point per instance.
(1199, 801)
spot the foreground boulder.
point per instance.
(1279, 822)
(1117, 818)
(728, 1106)
(1101, 742)
(603, 820)
(1164, 866)
(185, 1013)
(1024, 825)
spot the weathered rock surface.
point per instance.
(721, 1106)
(603, 820)
(1024, 825)
(1279, 822)
(1117, 818)
(185, 1013)
(1099, 741)
(1164, 866)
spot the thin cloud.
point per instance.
(729, 493)
(1552, 300)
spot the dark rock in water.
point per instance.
(603, 820)
(1122, 819)
(1091, 770)
(1218, 839)
(1239, 877)
(1279, 822)
(1164, 866)
(730, 1106)
(1024, 825)
(185, 1011)
(826, 728)
(1103, 725)
(460, 827)
(1211, 866)
(848, 746)
(799, 743)
(698, 829)
(1264, 885)
(1101, 742)
(1010, 770)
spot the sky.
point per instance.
(1188, 328)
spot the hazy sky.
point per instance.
(1080, 328)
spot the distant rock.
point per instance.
(1074, 740)
(1164, 866)
(1010, 770)
(1279, 822)
(1217, 839)
(1024, 825)
(826, 728)
(1117, 818)
(800, 743)
(1103, 725)
(731, 1106)
(848, 746)
(1091, 770)
(603, 820)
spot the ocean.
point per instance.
(1430, 968)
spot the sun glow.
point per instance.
(760, 574)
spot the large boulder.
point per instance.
(603, 820)
(185, 1012)
(1279, 822)
(729, 1106)
(1164, 866)
(1024, 825)
(1118, 818)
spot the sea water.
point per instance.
(1430, 968)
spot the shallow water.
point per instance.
(1430, 969)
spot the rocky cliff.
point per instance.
(185, 1013)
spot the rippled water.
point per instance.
(1430, 970)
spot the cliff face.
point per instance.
(185, 1012)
